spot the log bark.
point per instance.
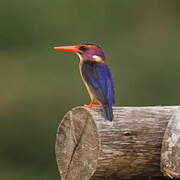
(88, 147)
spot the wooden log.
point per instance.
(170, 152)
(88, 147)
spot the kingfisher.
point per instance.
(95, 75)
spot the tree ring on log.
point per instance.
(77, 143)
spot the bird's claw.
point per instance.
(93, 106)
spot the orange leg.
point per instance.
(91, 105)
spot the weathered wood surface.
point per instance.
(170, 152)
(129, 147)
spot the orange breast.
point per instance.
(85, 83)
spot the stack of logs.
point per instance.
(140, 143)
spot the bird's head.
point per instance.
(86, 51)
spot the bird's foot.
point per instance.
(92, 106)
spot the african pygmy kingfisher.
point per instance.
(95, 74)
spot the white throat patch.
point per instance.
(95, 58)
(80, 57)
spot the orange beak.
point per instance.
(68, 48)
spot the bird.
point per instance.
(95, 75)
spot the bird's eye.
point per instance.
(83, 48)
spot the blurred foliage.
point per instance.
(38, 85)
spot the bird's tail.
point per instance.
(109, 112)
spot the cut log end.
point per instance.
(77, 145)
(170, 152)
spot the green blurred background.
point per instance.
(39, 85)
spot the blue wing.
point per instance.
(99, 79)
